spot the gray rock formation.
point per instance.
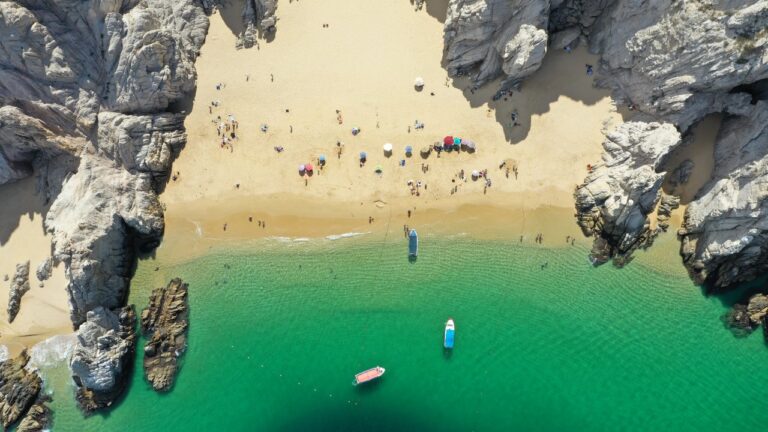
(617, 196)
(44, 269)
(724, 238)
(103, 356)
(488, 38)
(164, 323)
(742, 318)
(88, 91)
(19, 287)
(18, 389)
(675, 62)
(667, 204)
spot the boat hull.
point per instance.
(369, 375)
(449, 334)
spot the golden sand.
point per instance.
(364, 64)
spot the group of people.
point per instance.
(226, 131)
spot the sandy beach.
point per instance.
(44, 310)
(325, 73)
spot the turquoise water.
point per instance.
(276, 338)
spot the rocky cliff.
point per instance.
(18, 389)
(674, 62)
(91, 101)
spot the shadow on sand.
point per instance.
(231, 12)
(25, 202)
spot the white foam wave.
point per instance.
(345, 235)
(4, 354)
(52, 351)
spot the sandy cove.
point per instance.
(297, 82)
(44, 310)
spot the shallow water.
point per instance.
(276, 338)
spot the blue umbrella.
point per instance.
(322, 158)
(363, 155)
(408, 150)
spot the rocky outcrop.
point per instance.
(18, 389)
(667, 205)
(259, 19)
(164, 323)
(19, 287)
(617, 196)
(103, 356)
(88, 94)
(488, 38)
(39, 417)
(742, 318)
(724, 238)
(44, 269)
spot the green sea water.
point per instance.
(278, 330)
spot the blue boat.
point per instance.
(450, 332)
(413, 243)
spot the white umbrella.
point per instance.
(419, 82)
(387, 147)
(475, 174)
(301, 168)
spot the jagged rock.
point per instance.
(259, 16)
(39, 417)
(164, 322)
(724, 238)
(491, 37)
(19, 287)
(44, 269)
(615, 199)
(103, 356)
(664, 212)
(682, 173)
(18, 389)
(757, 308)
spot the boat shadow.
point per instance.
(369, 387)
(447, 353)
(412, 259)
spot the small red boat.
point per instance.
(369, 375)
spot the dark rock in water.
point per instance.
(737, 321)
(19, 287)
(38, 418)
(18, 389)
(765, 328)
(103, 356)
(165, 323)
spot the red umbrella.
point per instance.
(308, 167)
(448, 140)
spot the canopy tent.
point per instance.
(387, 147)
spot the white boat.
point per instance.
(449, 334)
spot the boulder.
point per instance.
(103, 356)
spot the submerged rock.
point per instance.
(164, 322)
(19, 388)
(19, 287)
(103, 356)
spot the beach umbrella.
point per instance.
(448, 140)
(408, 150)
(363, 156)
(426, 150)
(456, 141)
(308, 167)
(470, 145)
(301, 168)
(387, 147)
(321, 158)
(475, 174)
(378, 168)
(419, 82)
